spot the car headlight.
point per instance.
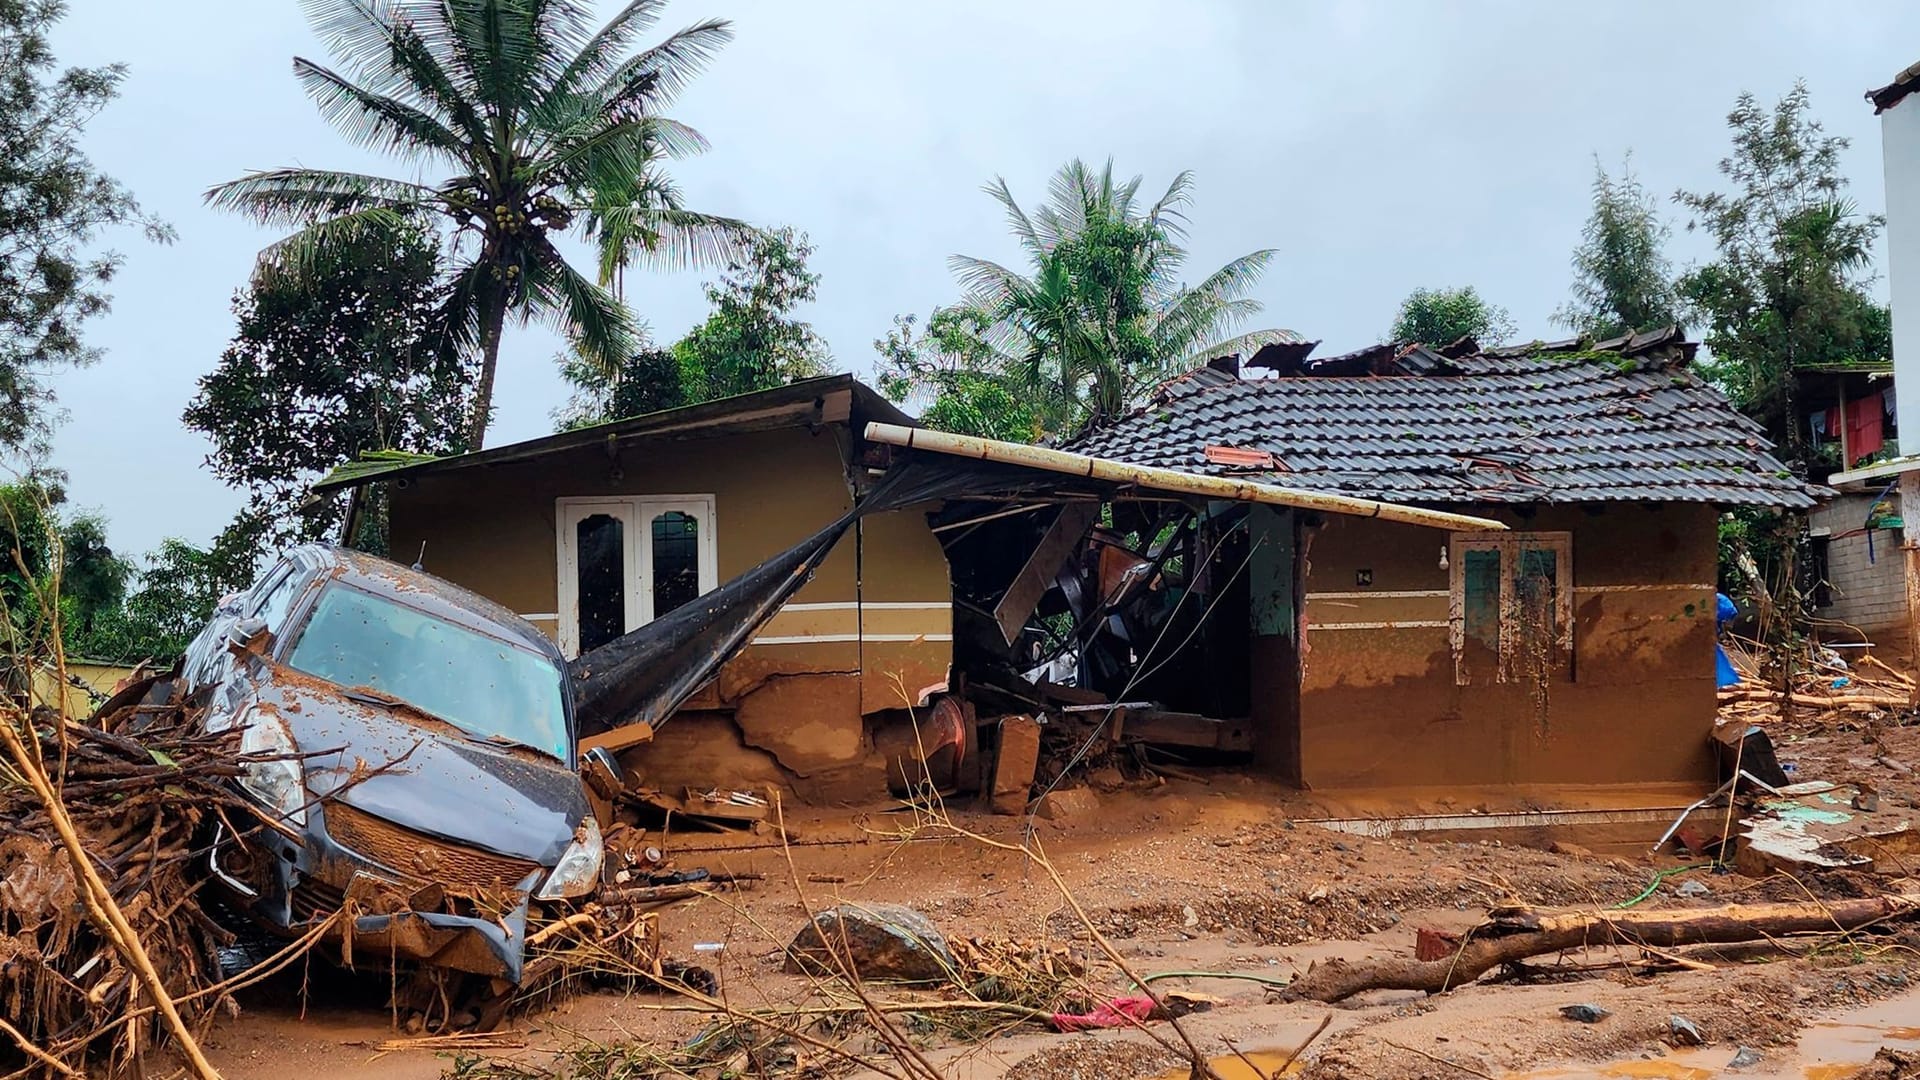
(279, 784)
(578, 870)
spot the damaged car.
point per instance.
(411, 762)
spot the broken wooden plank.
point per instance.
(1187, 729)
(1058, 544)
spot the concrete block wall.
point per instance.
(1869, 595)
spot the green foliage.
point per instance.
(541, 125)
(967, 394)
(750, 341)
(1785, 292)
(172, 596)
(1099, 318)
(327, 365)
(1622, 281)
(1441, 317)
(54, 205)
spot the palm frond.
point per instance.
(287, 197)
(655, 77)
(986, 283)
(1242, 345)
(599, 325)
(600, 54)
(384, 53)
(1023, 228)
(1168, 212)
(666, 237)
(324, 241)
(375, 120)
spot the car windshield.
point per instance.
(480, 684)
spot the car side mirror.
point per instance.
(242, 633)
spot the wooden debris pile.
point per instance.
(1823, 687)
(143, 786)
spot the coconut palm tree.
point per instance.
(1102, 315)
(539, 124)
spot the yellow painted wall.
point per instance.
(1379, 707)
(491, 528)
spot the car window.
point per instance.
(278, 597)
(480, 684)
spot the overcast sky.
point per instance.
(1379, 145)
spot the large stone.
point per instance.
(884, 942)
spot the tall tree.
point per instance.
(750, 341)
(54, 205)
(1100, 316)
(952, 366)
(1622, 281)
(540, 123)
(1785, 292)
(328, 364)
(1444, 316)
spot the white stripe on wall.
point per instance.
(544, 616)
(876, 605)
(1404, 594)
(1642, 588)
(1411, 624)
(809, 639)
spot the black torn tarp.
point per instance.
(648, 673)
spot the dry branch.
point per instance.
(1509, 935)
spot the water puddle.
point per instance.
(1256, 1065)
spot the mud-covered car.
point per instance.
(411, 753)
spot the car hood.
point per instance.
(502, 799)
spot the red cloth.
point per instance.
(1120, 1012)
(1865, 419)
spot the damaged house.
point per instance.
(1399, 569)
(1573, 649)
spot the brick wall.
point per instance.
(1868, 595)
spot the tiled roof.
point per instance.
(1542, 423)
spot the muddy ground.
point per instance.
(1224, 876)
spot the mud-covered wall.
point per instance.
(1379, 703)
(492, 529)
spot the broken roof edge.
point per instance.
(680, 420)
(1886, 97)
(1159, 479)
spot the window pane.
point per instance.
(273, 606)
(599, 541)
(1480, 596)
(480, 684)
(676, 561)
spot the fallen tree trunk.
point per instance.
(1512, 934)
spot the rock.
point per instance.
(1107, 778)
(1562, 847)
(1746, 1058)
(1685, 1032)
(1189, 918)
(1069, 804)
(1691, 888)
(1585, 1014)
(881, 941)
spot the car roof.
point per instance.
(422, 591)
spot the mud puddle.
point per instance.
(1830, 1049)
(1253, 1065)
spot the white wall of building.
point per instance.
(1900, 142)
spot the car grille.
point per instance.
(419, 857)
(313, 900)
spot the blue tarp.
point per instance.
(1724, 612)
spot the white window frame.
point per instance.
(635, 514)
(1509, 546)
